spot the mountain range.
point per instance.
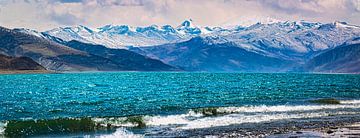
(282, 46)
(62, 57)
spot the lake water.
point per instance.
(172, 101)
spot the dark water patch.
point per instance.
(24, 128)
(172, 108)
(326, 101)
(210, 111)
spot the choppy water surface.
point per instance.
(171, 99)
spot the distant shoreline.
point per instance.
(4, 72)
(9, 72)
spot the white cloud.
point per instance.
(47, 14)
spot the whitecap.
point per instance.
(252, 114)
(122, 133)
(230, 119)
(285, 108)
(2, 127)
(243, 114)
(114, 121)
(350, 101)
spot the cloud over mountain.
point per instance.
(42, 15)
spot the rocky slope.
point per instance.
(342, 59)
(197, 55)
(121, 57)
(18, 63)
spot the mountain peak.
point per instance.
(29, 31)
(117, 29)
(339, 24)
(188, 27)
(187, 24)
(75, 29)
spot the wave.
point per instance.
(2, 128)
(350, 102)
(252, 114)
(122, 132)
(194, 119)
(21, 128)
(232, 119)
(290, 108)
(224, 116)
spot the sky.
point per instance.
(47, 14)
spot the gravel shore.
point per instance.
(345, 131)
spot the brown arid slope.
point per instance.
(9, 65)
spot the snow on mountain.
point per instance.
(140, 36)
(258, 46)
(120, 36)
(81, 34)
(266, 38)
(31, 32)
(286, 39)
(345, 25)
(250, 21)
(188, 27)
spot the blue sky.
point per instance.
(47, 14)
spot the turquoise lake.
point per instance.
(165, 98)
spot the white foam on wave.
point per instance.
(170, 119)
(289, 108)
(350, 102)
(236, 115)
(240, 119)
(114, 121)
(2, 127)
(251, 114)
(231, 119)
(122, 133)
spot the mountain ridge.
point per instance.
(56, 56)
(293, 42)
(122, 36)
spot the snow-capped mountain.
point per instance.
(287, 39)
(265, 38)
(120, 36)
(188, 28)
(280, 46)
(30, 32)
(273, 46)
